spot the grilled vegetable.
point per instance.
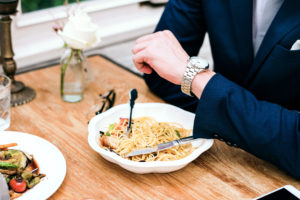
(33, 182)
(27, 175)
(12, 161)
(5, 165)
(6, 146)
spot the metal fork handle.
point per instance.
(129, 121)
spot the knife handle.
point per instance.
(168, 145)
(186, 139)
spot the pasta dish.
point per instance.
(146, 132)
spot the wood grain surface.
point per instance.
(222, 172)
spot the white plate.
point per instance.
(161, 112)
(49, 158)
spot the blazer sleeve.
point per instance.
(264, 129)
(186, 21)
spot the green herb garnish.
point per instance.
(178, 133)
(111, 128)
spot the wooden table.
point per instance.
(220, 173)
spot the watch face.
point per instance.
(199, 62)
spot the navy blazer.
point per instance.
(251, 101)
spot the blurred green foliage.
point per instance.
(33, 5)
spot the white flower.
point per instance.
(79, 32)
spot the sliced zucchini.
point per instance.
(12, 161)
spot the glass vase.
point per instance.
(72, 80)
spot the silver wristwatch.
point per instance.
(195, 65)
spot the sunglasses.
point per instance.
(106, 101)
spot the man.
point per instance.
(253, 99)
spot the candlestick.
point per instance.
(20, 94)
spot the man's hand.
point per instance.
(161, 52)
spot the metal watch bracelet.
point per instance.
(188, 77)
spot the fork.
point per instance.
(133, 94)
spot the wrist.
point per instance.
(200, 81)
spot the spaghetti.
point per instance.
(146, 132)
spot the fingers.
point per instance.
(139, 56)
(139, 61)
(147, 46)
(139, 51)
(140, 46)
(146, 69)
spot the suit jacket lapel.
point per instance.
(286, 19)
(241, 11)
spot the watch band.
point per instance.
(188, 77)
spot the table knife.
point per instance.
(4, 193)
(162, 146)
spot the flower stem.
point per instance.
(79, 52)
(62, 74)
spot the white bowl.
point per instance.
(160, 112)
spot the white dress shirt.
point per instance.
(264, 11)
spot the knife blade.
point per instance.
(162, 146)
(4, 193)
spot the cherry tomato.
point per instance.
(123, 121)
(18, 184)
